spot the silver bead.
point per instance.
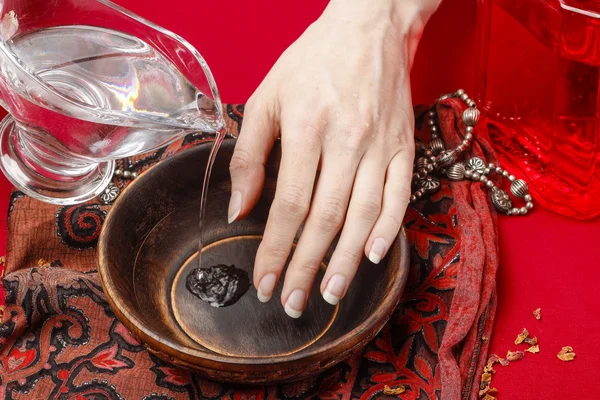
(471, 116)
(434, 136)
(472, 103)
(432, 159)
(527, 197)
(511, 178)
(468, 174)
(501, 200)
(476, 164)
(465, 143)
(126, 174)
(529, 205)
(483, 179)
(430, 185)
(498, 170)
(491, 166)
(464, 97)
(431, 122)
(437, 146)
(429, 168)
(434, 128)
(460, 92)
(519, 188)
(523, 210)
(515, 211)
(489, 184)
(446, 158)
(431, 113)
(456, 172)
(413, 198)
(505, 174)
(469, 136)
(118, 172)
(421, 163)
(487, 171)
(476, 176)
(110, 194)
(469, 129)
(134, 175)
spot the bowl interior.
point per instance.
(149, 247)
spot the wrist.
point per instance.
(408, 17)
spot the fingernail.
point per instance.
(295, 303)
(235, 205)
(266, 287)
(377, 250)
(335, 289)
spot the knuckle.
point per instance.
(330, 215)
(307, 268)
(369, 208)
(240, 161)
(403, 195)
(294, 200)
(392, 221)
(350, 255)
(274, 250)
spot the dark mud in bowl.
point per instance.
(147, 250)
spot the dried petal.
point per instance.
(393, 391)
(514, 355)
(489, 397)
(522, 336)
(484, 338)
(9, 25)
(566, 354)
(537, 313)
(483, 392)
(494, 358)
(532, 341)
(534, 349)
(489, 369)
(486, 377)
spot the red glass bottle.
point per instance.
(540, 78)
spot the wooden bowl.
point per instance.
(149, 245)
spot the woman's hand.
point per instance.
(340, 99)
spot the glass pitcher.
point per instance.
(87, 82)
(540, 87)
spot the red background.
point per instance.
(547, 261)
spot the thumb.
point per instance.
(247, 167)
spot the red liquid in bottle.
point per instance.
(540, 65)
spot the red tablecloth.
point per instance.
(547, 261)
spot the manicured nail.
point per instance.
(295, 303)
(377, 250)
(335, 289)
(266, 287)
(235, 206)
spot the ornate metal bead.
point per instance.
(126, 174)
(437, 146)
(446, 158)
(110, 194)
(471, 116)
(421, 163)
(519, 188)
(456, 172)
(476, 164)
(430, 185)
(118, 172)
(501, 200)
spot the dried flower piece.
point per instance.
(484, 338)
(9, 25)
(515, 355)
(522, 336)
(496, 359)
(534, 349)
(393, 391)
(566, 354)
(489, 397)
(537, 313)
(531, 341)
(486, 377)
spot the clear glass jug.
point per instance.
(540, 87)
(87, 82)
